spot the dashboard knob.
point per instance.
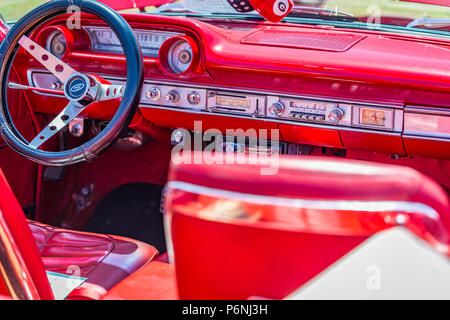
(173, 96)
(336, 115)
(276, 109)
(194, 97)
(56, 85)
(153, 94)
(177, 136)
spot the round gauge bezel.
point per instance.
(166, 50)
(47, 34)
(171, 56)
(52, 36)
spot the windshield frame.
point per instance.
(357, 25)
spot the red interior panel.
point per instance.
(306, 39)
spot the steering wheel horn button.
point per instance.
(76, 87)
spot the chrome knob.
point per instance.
(173, 96)
(177, 136)
(153, 94)
(56, 85)
(194, 97)
(336, 115)
(76, 130)
(276, 109)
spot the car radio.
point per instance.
(225, 102)
(308, 110)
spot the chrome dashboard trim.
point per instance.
(303, 124)
(427, 110)
(148, 52)
(397, 108)
(271, 93)
(427, 122)
(425, 138)
(255, 91)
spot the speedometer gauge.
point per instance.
(180, 56)
(103, 39)
(57, 43)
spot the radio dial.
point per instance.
(276, 109)
(173, 96)
(336, 115)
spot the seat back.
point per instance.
(238, 233)
(21, 266)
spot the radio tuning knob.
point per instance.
(194, 97)
(276, 109)
(173, 96)
(336, 115)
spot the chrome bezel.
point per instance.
(200, 109)
(171, 56)
(48, 43)
(117, 49)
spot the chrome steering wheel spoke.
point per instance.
(107, 91)
(58, 68)
(12, 85)
(72, 110)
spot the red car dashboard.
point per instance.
(342, 88)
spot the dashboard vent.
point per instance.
(291, 37)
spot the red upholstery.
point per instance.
(154, 281)
(11, 213)
(273, 248)
(103, 259)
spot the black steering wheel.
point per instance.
(81, 90)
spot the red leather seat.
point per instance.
(103, 259)
(281, 230)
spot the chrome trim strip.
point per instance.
(344, 205)
(434, 125)
(426, 138)
(104, 48)
(427, 110)
(238, 90)
(395, 133)
(276, 93)
(281, 121)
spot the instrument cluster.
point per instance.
(175, 52)
(104, 40)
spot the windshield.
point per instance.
(373, 14)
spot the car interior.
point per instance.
(338, 129)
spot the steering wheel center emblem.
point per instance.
(76, 87)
